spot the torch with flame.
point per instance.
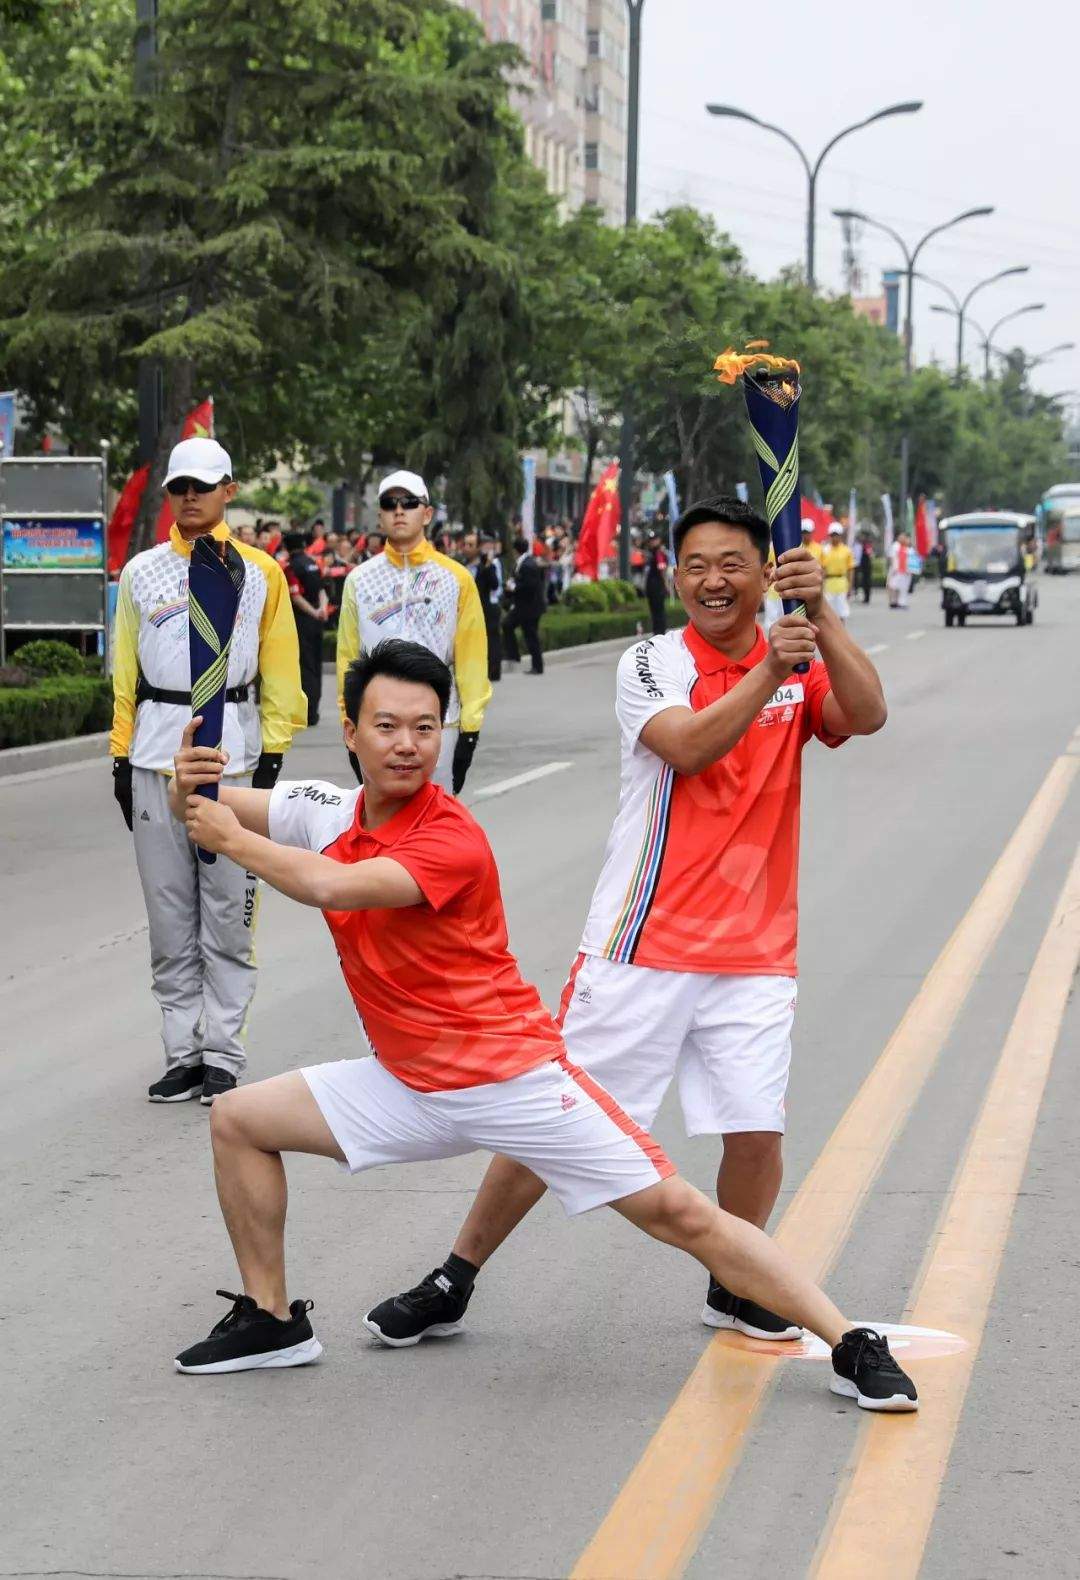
(772, 390)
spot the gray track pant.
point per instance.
(202, 935)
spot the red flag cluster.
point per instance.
(199, 425)
(600, 525)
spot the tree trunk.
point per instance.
(179, 385)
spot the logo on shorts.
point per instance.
(568, 1101)
(584, 994)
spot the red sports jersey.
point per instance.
(441, 997)
(701, 871)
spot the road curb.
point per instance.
(53, 754)
(559, 655)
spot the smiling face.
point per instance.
(396, 737)
(721, 579)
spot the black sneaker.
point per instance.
(215, 1082)
(864, 1369)
(722, 1309)
(181, 1083)
(434, 1309)
(249, 1338)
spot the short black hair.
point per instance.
(295, 540)
(401, 661)
(728, 512)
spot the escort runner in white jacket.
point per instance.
(201, 917)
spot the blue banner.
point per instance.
(71, 543)
(7, 423)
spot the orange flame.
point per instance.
(731, 364)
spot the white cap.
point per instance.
(808, 523)
(202, 459)
(836, 530)
(411, 482)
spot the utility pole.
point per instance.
(628, 435)
(150, 388)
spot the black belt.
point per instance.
(145, 692)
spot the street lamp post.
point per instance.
(911, 257)
(1044, 356)
(961, 307)
(812, 170)
(628, 433)
(988, 340)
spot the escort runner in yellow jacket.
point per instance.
(201, 917)
(424, 597)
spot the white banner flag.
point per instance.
(886, 505)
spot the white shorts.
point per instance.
(838, 603)
(555, 1119)
(727, 1038)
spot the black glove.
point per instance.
(463, 756)
(121, 787)
(266, 772)
(354, 764)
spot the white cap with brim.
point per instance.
(411, 482)
(836, 530)
(203, 459)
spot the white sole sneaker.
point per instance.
(296, 1355)
(438, 1330)
(894, 1404)
(720, 1319)
(181, 1097)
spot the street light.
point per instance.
(962, 306)
(911, 256)
(628, 432)
(909, 107)
(1066, 345)
(1032, 307)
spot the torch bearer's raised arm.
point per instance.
(215, 583)
(773, 391)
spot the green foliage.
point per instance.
(53, 710)
(620, 594)
(574, 629)
(291, 501)
(49, 658)
(585, 596)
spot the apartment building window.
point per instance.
(593, 98)
(592, 156)
(549, 10)
(594, 42)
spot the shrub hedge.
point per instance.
(54, 709)
(50, 658)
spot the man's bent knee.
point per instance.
(227, 1118)
(753, 1148)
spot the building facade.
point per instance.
(574, 107)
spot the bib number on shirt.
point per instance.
(786, 697)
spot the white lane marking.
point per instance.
(913, 636)
(503, 785)
(878, 647)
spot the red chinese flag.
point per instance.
(600, 525)
(922, 528)
(199, 424)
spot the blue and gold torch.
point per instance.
(772, 390)
(215, 583)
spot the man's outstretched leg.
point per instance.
(743, 1258)
(250, 1128)
(435, 1308)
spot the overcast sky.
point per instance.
(1000, 125)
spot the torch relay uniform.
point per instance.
(687, 967)
(201, 916)
(422, 596)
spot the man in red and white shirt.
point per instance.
(687, 968)
(466, 1056)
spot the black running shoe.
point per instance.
(215, 1082)
(249, 1338)
(181, 1083)
(434, 1309)
(864, 1369)
(722, 1309)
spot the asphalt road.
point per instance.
(499, 1453)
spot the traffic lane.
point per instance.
(558, 1274)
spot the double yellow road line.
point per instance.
(658, 1519)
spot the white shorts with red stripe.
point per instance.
(725, 1039)
(555, 1119)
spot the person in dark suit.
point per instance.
(528, 602)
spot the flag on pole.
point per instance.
(886, 506)
(673, 510)
(923, 539)
(853, 518)
(599, 526)
(199, 424)
(215, 582)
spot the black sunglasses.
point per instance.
(406, 501)
(180, 485)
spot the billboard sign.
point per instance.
(68, 543)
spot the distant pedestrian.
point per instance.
(489, 584)
(310, 606)
(864, 566)
(838, 563)
(656, 582)
(899, 582)
(529, 600)
(201, 916)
